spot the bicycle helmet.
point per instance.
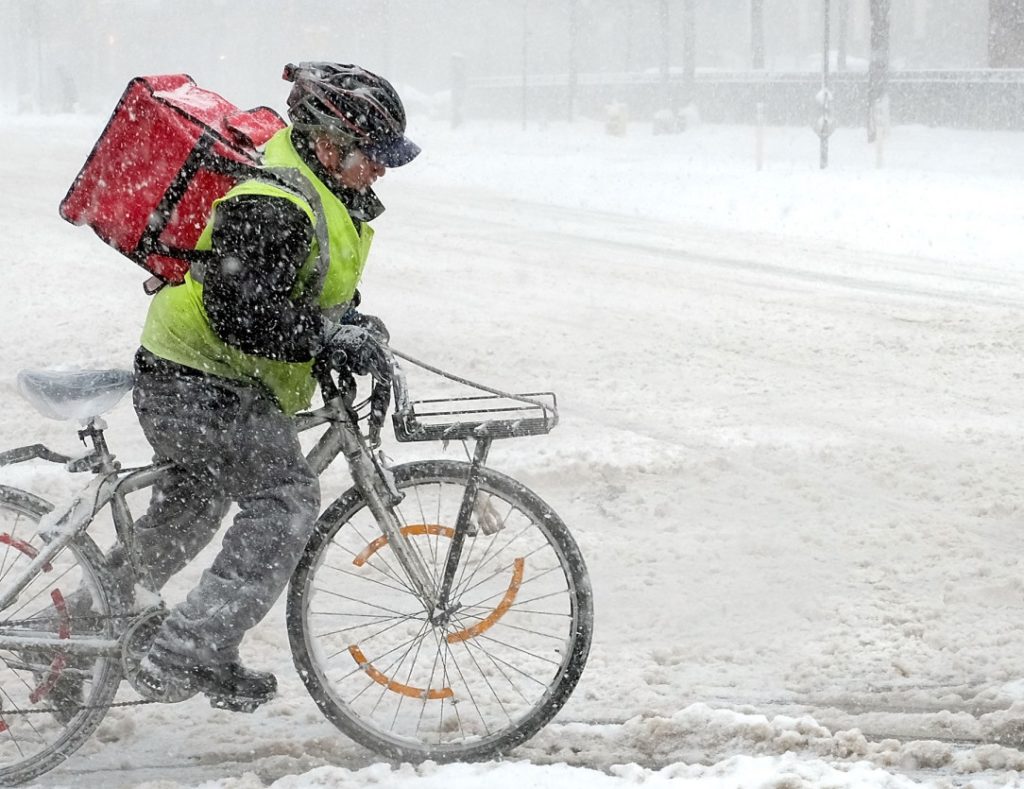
(353, 105)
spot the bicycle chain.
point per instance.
(79, 707)
(89, 618)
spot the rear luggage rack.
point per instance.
(496, 414)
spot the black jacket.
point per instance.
(259, 243)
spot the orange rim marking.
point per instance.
(390, 684)
(413, 530)
(24, 547)
(60, 661)
(506, 603)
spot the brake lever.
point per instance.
(380, 399)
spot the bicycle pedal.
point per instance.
(237, 704)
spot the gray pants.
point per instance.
(228, 442)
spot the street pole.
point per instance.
(689, 52)
(628, 36)
(844, 34)
(757, 34)
(37, 25)
(526, 33)
(826, 99)
(665, 55)
(386, 24)
(878, 70)
(574, 23)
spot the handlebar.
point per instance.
(493, 414)
(344, 386)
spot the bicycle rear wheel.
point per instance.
(471, 687)
(50, 700)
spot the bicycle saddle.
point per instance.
(75, 394)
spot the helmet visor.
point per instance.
(393, 153)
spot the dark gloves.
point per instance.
(356, 349)
(371, 323)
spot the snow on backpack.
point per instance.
(168, 151)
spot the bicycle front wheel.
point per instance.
(51, 700)
(469, 686)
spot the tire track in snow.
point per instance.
(487, 220)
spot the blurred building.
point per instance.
(58, 55)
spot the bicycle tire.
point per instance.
(312, 584)
(32, 683)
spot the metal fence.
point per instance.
(978, 99)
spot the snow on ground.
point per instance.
(789, 445)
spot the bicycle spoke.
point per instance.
(519, 649)
(423, 518)
(51, 584)
(332, 593)
(491, 544)
(509, 665)
(430, 684)
(10, 547)
(372, 636)
(396, 666)
(388, 669)
(468, 688)
(501, 570)
(412, 542)
(443, 651)
(375, 660)
(487, 681)
(10, 732)
(502, 623)
(542, 597)
(499, 593)
(391, 572)
(375, 617)
(497, 664)
(497, 553)
(360, 626)
(363, 577)
(408, 679)
(22, 716)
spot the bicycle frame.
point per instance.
(369, 470)
(112, 485)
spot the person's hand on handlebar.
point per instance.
(355, 349)
(373, 324)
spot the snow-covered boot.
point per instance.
(165, 678)
(232, 686)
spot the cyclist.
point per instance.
(226, 358)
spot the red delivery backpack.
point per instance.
(169, 150)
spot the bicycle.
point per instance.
(441, 610)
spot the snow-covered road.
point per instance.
(789, 448)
